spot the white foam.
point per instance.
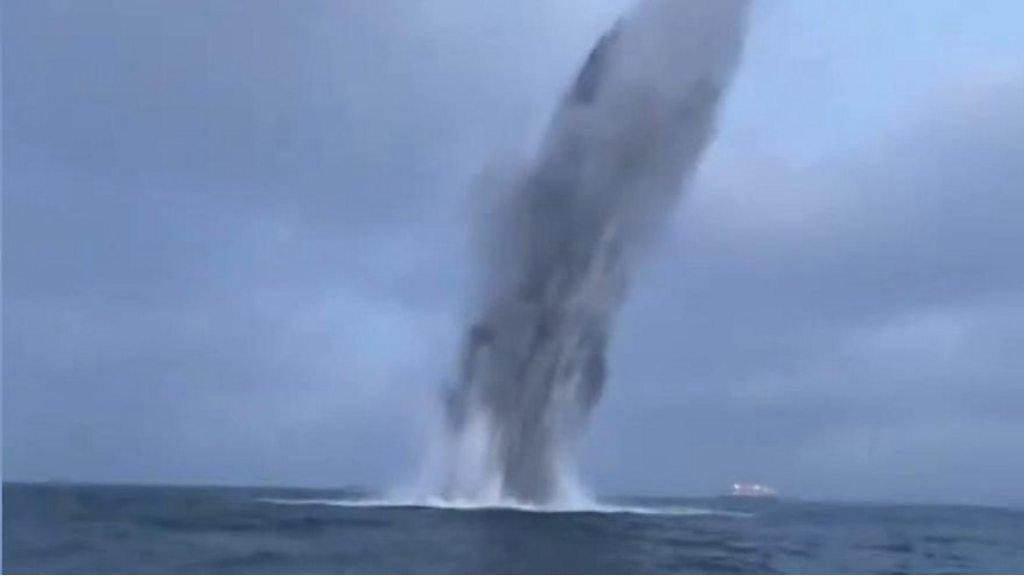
(462, 505)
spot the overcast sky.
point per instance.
(235, 242)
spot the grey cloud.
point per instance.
(873, 299)
(233, 232)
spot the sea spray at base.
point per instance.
(508, 506)
(562, 236)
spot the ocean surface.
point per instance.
(86, 528)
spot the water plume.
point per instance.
(563, 234)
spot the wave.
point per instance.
(507, 505)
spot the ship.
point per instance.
(759, 491)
